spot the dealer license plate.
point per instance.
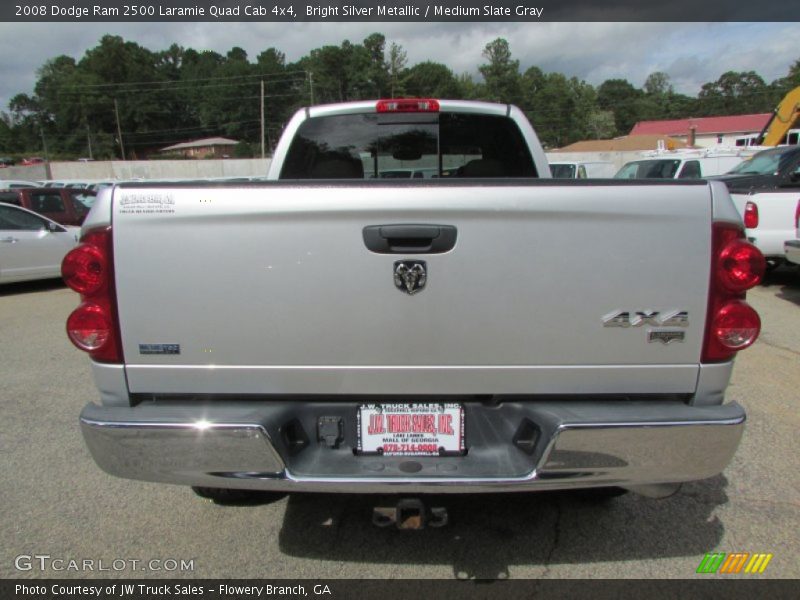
(411, 429)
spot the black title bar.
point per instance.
(118, 11)
(349, 589)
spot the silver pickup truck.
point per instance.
(481, 328)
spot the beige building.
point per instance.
(628, 143)
(214, 147)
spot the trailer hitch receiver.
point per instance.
(409, 513)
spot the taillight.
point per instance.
(797, 215)
(89, 327)
(87, 269)
(407, 105)
(736, 266)
(741, 266)
(736, 325)
(84, 269)
(751, 215)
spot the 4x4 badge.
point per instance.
(410, 276)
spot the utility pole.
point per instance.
(119, 129)
(44, 144)
(88, 132)
(311, 87)
(263, 153)
(89, 140)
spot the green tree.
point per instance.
(378, 74)
(398, 59)
(620, 97)
(501, 73)
(658, 84)
(600, 124)
(430, 79)
(563, 110)
(330, 77)
(7, 141)
(735, 93)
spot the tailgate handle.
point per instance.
(410, 239)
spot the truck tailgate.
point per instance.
(272, 290)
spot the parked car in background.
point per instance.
(581, 170)
(79, 185)
(768, 170)
(768, 221)
(765, 190)
(5, 161)
(18, 183)
(33, 160)
(32, 246)
(62, 205)
(792, 247)
(678, 167)
(96, 186)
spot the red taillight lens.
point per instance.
(89, 327)
(741, 266)
(751, 215)
(736, 266)
(407, 105)
(84, 269)
(88, 269)
(736, 325)
(797, 215)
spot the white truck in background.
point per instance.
(486, 330)
(582, 169)
(681, 164)
(765, 190)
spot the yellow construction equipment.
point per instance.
(783, 119)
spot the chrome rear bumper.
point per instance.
(576, 444)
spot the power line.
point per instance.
(100, 94)
(176, 81)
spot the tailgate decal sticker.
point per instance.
(146, 203)
(159, 348)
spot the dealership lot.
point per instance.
(56, 502)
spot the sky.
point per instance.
(690, 53)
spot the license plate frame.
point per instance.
(416, 429)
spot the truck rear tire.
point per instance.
(232, 496)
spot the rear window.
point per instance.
(563, 171)
(10, 198)
(649, 169)
(46, 202)
(768, 162)
(13, 219)
(691, 170)
(407, 146)
(82, 200)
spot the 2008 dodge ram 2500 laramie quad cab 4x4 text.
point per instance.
(481, 329)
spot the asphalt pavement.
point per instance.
(57, 503)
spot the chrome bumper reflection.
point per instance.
(233, 448)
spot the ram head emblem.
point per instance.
(410, 275)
